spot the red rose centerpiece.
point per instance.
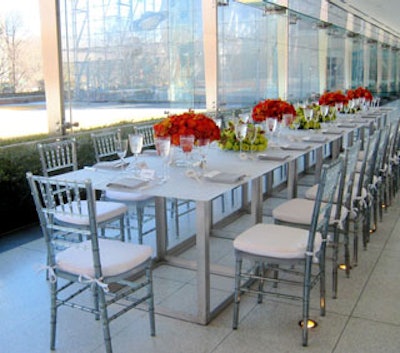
(333, 98)
(359, 92)
(272, 108)
(188, 123)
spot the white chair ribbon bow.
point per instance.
(94, 281)
(50, 272)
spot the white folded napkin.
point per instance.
(222, 177)
(295, 146)
(314, 138)
(333, 131)
(269, 156)
(127, 183)
(111, 164)
(348, 125)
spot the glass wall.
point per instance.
(150, 54)
(304, 66)
(248, 55)
(133, 51)
(357, 63)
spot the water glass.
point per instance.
(121, 148)
(186, 143)
(135, 144)
(163, 148)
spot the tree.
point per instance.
(20, 57)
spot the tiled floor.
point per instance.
(365, 318)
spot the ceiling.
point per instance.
(383, 13)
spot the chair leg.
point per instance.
(150, 301)
(306, 302)
(128, 225)
(355, 240)
(260, 273)
(53, 312)
(238, 270)
(335, 251)
(322, 282)
(122, 227)
(104, 318)
(140, 215)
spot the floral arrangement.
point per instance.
(188, 123)
(359, 92)
(331, 98)
(272, 108)
(229, 141)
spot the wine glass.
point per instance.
(163, 147)
(287, 120)
(339, 107)
(121, 148)
(203, 145)
(324, 110)
(271, 126)
(240, 131)
(252, 132)
(244, 118)
(136, 145)
(186, 142)
(308, 114)
(296, 124)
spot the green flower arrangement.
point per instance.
(228, 140)
(319, 116)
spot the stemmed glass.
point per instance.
(324, 110)
(121, 148)
(296, 124)
(186, 142)
(308, 114)
(271, 126)
(339, 107)
(252, 135)
(163, 147)
(240, 131)
(136, 145)
(203, 145)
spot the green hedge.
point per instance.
(16, 205)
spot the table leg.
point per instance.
(203, 228)
(292, 179)
(318, 163)
(256, 201)
(161, 227)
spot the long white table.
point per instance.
(203, 192)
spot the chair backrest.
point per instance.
(65, 199)
(351, 158)
(394, 139)
(58, 157)
(330, 179)
(368, 163)
(148, 134)
(104, 144)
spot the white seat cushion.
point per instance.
(298, 211)
(311, 193)
(104, 211)
(275, 241)
(116, 257)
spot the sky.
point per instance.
(27, 9)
